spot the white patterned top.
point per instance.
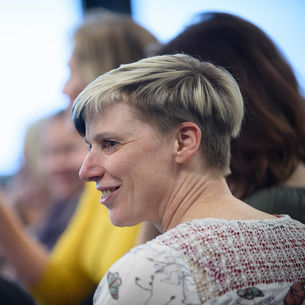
(213, 261)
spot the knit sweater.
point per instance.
(212, 261)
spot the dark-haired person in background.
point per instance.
(267, 162)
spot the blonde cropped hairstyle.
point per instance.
(168, 90)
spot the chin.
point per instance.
(121, 221)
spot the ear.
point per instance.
(187, 142)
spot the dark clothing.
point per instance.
(13, 294)
(89, 299)
(280, 200)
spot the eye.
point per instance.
(109, 144)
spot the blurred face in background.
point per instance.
(75, 83)
(63, 151)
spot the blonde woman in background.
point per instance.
(104, 41)
(90, 244)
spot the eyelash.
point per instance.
(109, 144)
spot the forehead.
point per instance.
(118, 117)
(57, 130)
(117, 113)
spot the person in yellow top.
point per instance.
(90, 244)
(86, 251)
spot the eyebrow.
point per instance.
(102, 136)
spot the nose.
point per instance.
(91, 169)
(68, 91)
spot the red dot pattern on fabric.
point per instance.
(229, 255)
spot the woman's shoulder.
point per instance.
(148, 272)
(189, 237)
(151, 252)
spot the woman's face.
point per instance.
(75, 83)
(131, 165)
(63, 153)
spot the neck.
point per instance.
(192, 192)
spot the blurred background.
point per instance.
(35, 40)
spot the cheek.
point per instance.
(150, 168)
(118, 165)
(140, 166)
(75, 160)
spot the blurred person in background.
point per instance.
(59, 157)
(62, 155)
(53, 155)
(90, 244)
(27, 192)
(104, 41)
(33, 199)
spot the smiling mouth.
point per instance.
(106, 193)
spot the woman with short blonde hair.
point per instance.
(158, 132)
